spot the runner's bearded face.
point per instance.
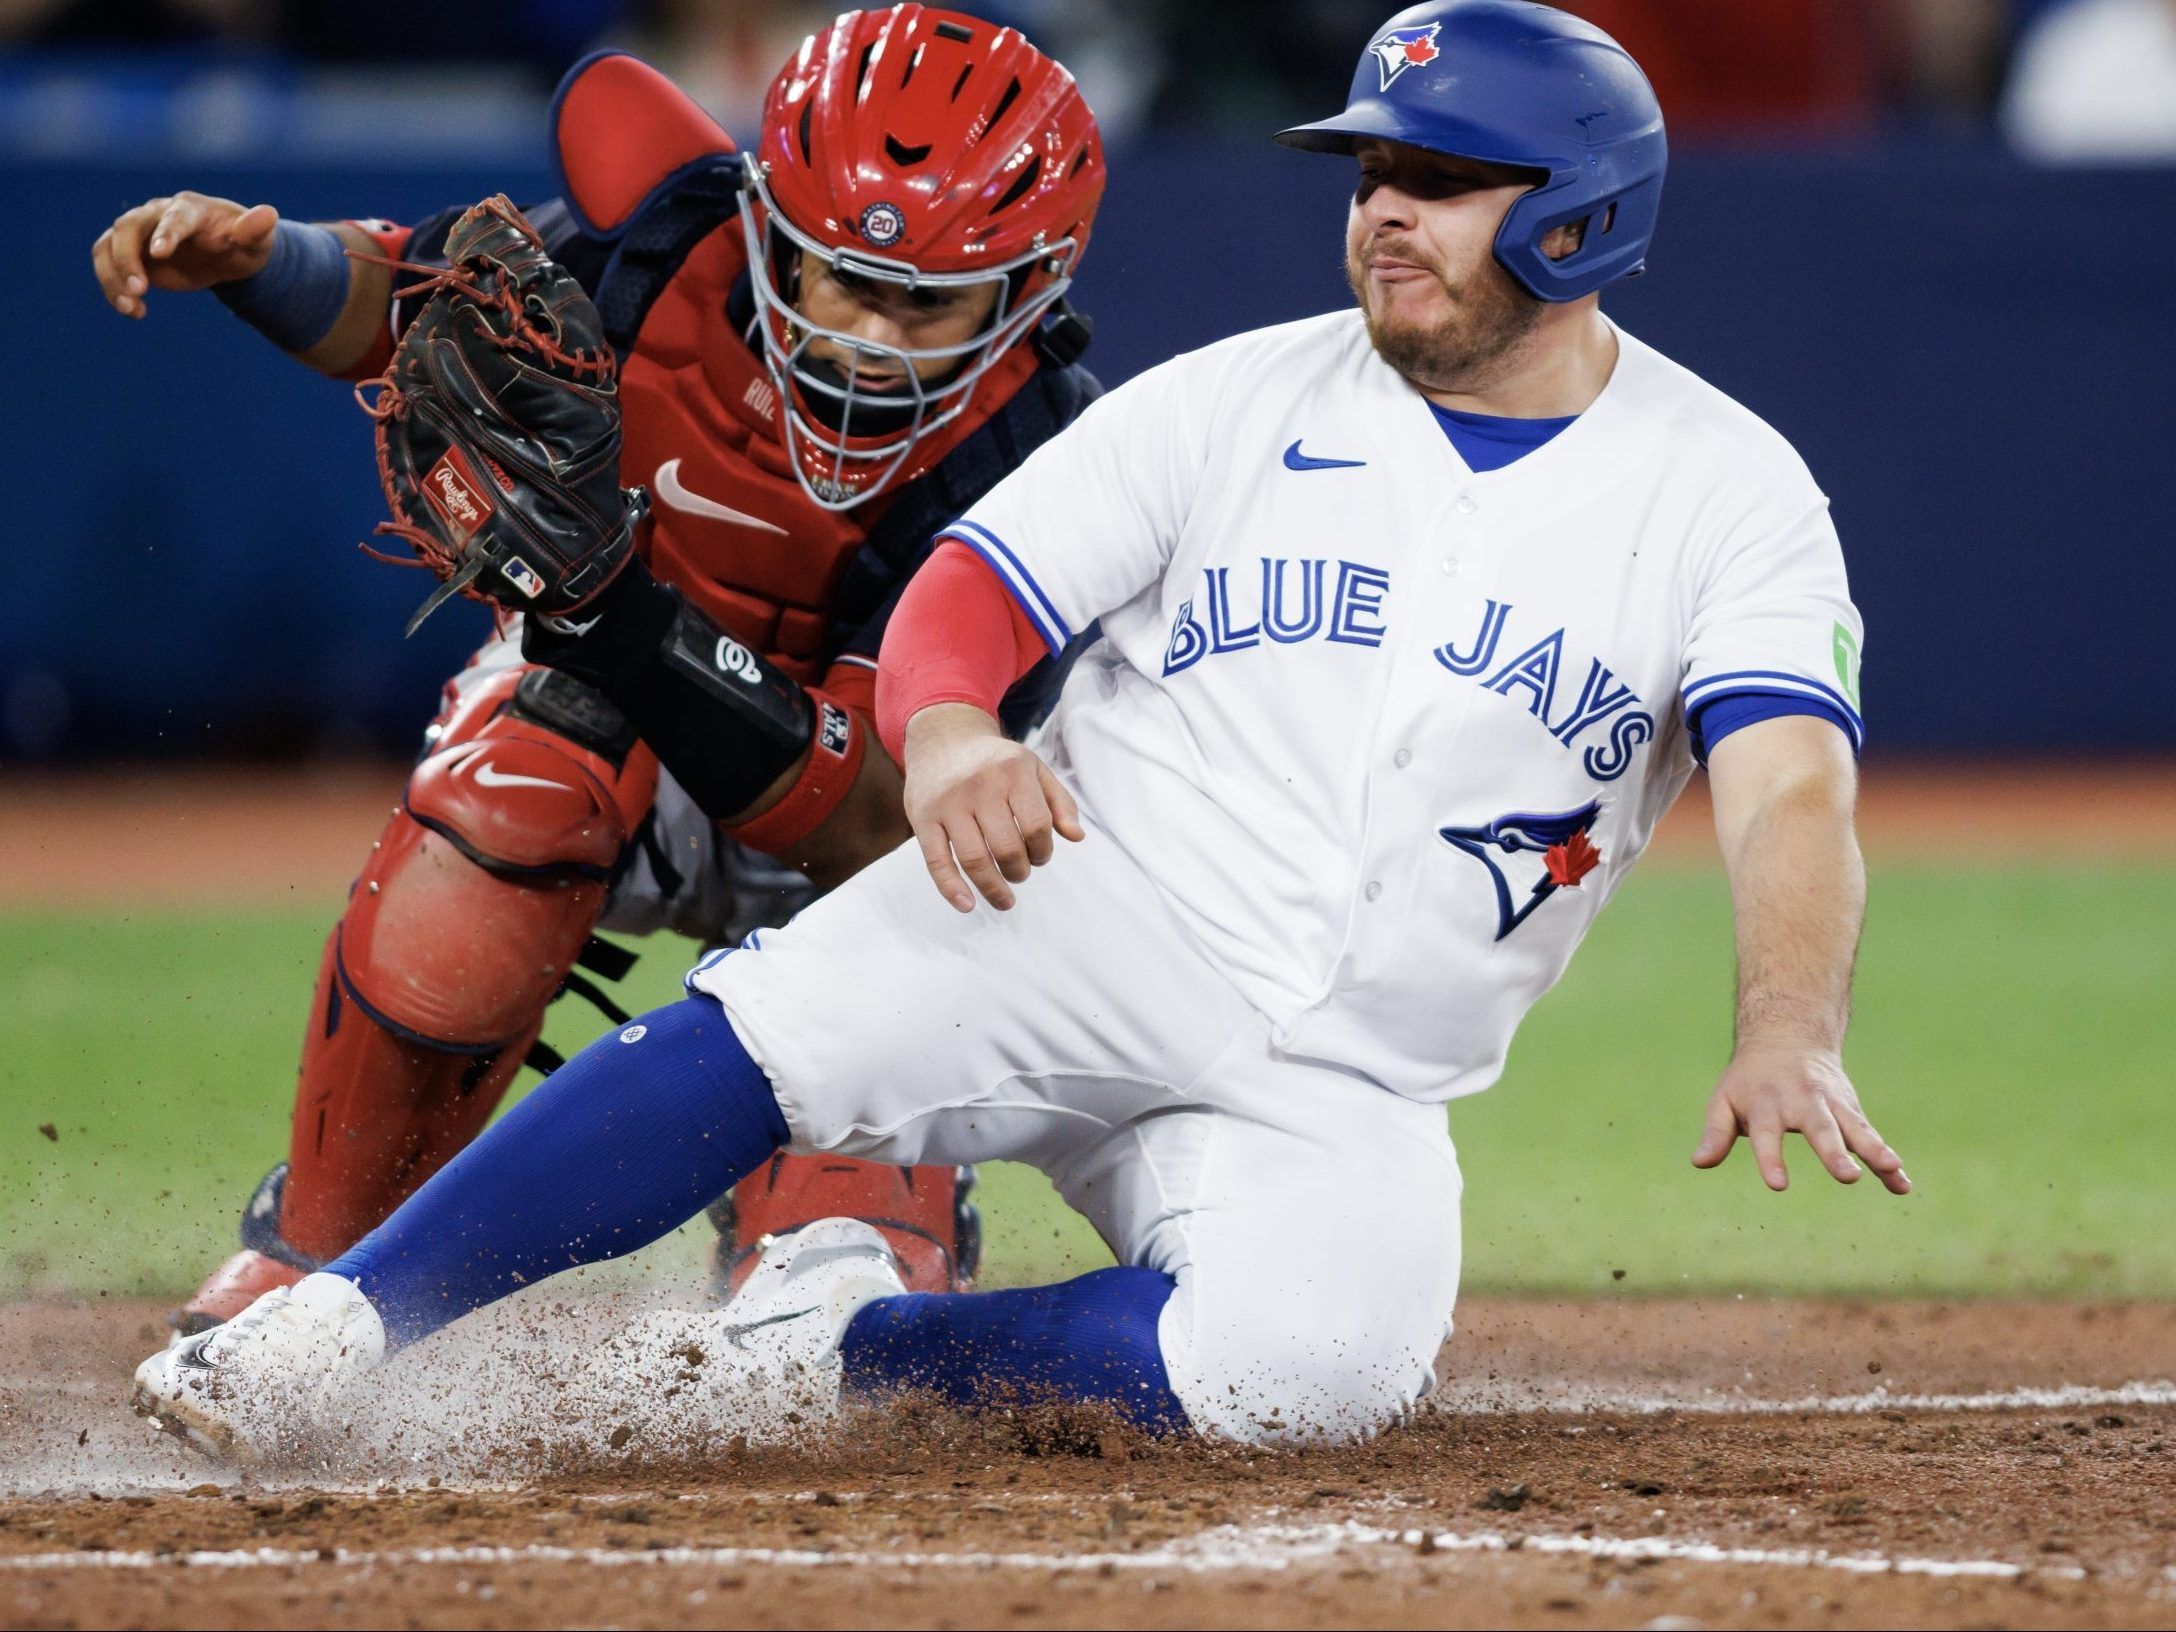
(1419, 254)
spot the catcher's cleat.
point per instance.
(765, 1367)
(934, 1231)
(257, 1385)
(228, 1290)
(265, 1263)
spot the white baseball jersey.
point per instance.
(1387, 732)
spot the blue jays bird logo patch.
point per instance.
(1404, 48)
(1560, 839)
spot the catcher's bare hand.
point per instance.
(188, 241)
(1771, 1089)
(981, 805)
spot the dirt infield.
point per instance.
(203, 837)
(1606, 1464)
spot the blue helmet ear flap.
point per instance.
(1619, 227)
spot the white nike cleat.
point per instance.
(257, 1386)
(766, 1366)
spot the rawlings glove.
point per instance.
(498, 427)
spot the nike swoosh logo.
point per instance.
(191, 1357)
(1296, 460)
(670, 491)
(490, 776)
(733, 1334)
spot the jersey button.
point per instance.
(1373, 891)
(1402, 758)
(1466, 504)
(1450, 566)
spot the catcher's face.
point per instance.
(870, 355)
(924, 329)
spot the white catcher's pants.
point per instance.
(1309, 1217)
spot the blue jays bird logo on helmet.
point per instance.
(1559, 838)
(1404, 48)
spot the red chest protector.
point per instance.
(729, 524)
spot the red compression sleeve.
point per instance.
(957, 636)
(391, 240)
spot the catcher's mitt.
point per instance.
(498, 427)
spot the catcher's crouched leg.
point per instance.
(477, 898)
(481, 891)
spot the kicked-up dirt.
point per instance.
(1626, 1463)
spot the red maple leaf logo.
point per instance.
(1571, 861)
(1421, 52)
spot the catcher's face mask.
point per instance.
(918, 149)
(852, 409)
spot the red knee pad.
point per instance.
(532, 771)
(491, 875)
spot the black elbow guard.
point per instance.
(721, 717)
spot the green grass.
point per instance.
(2014, 1036)
(2013, 1039)
(161, 1046)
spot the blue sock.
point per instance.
(1088, 1340)
(629, 1139)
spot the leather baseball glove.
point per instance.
(498, 427)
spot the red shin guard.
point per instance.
(477, 899)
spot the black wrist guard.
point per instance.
(722, 718)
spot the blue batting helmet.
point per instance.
(1520, 84)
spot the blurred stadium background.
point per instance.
(1932, 241)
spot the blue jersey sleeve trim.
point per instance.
(1718, 717)
(1774, 682)
(1037, 605)
(710, 961)
(751, 942)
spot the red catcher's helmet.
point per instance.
(921, 149)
